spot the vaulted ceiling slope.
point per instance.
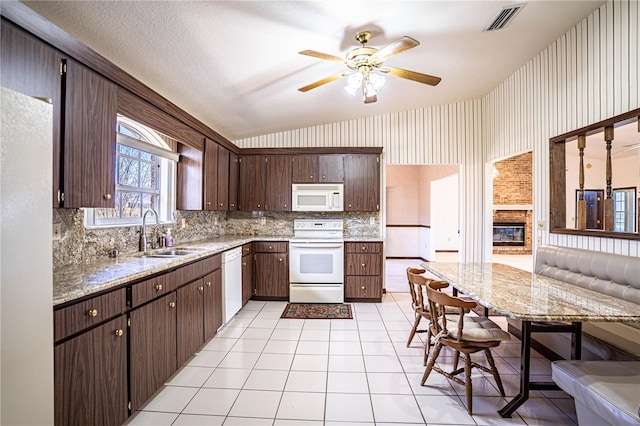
(234, 65)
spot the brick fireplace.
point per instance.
(512, 203)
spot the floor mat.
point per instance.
(317, 311)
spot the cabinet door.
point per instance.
(29, 66)
(89, 138)
(223, 179)
(210, 175)
(152, 358)
(234, 180)
(190, 178)
(253, 178)
(247, 278)
(304, 168)
(363, 287)
(362, 182)
(272, 275)
(331, 168)
(212, 303)
(278, 189)
(90, 377)
(190, 320)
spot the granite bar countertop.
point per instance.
(518, 294)
(77, 281)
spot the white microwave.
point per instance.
(317, 197)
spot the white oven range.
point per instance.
(316, 261)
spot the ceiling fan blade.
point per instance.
(323, 81)
(393, 49)
(412, 75)
(321, 55)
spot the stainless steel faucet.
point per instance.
(143, 237)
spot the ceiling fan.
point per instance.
(366, 67)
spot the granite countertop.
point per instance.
(518, 294)
(73, 282)
(363, 239)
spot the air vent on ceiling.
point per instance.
(503, 17)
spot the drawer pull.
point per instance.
(362, 288)
(311, 177)
(172, 304)
(232, 204)
(244, 263)
(349, 205)
(364, 248)
(324, 177)
(221, 204)
(280, 260)
(208, 203)
(158, 287)
(364, 265)
(270, 248)
(208, 283)
(258, 205)
(201, 288)
(92, 312)
(107, 196)
(118, 333)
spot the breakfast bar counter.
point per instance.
(542, 304)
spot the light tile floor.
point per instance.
(263, 370)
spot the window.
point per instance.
(624, 210)
(145, 177)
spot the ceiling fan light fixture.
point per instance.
(354, 82)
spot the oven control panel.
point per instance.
(321, 224)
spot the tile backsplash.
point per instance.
(80, 245)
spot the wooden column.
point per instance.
(608, 202)
(582, 205)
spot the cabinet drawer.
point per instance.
(149, 289)
(192, 272)
(212, 263)
(270, 247)
(82, 315)
(363, 264)
(363, 288)
(363, 247)
(247, 249)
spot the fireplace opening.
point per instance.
(508, 234)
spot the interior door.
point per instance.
(593, 199)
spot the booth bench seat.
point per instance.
(605, 392)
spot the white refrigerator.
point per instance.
(26, 271)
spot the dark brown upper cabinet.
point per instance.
(362, 182)
(189, 191)
(253, 180)
(223, 178)
(278, 183)
(89, 142)
(320, 168)
(234, 180)
(210, 175)
(32, 68)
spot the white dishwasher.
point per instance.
(231, 282)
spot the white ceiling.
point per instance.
(234, 65)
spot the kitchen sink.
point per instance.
(174, 252)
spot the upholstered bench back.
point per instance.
(606, 273)
(612, 274)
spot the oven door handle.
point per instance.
(316, 245)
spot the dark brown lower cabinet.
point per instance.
(272, 276)
(91, 376)
(212, 303)
(152, 348)
(190, 319)
(363, 271)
